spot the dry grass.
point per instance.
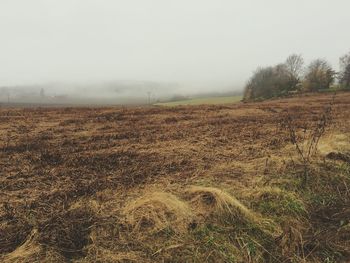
(32, 251)
(122, 184)
(107, 256)
(208, 200)
(154, 212)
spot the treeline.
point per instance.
(293, 77)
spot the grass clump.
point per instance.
(157, 211)
(222, 207)
(228, 221)
(277, 202)
(32, 251)
(210, 201)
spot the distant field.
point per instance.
(201, 101)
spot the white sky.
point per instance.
(186, 41)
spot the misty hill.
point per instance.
(117, 92)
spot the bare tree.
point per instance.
(6, 93)
(344, 75)
(149, 97)
(42, 93)
(294, 64)
(344, 61)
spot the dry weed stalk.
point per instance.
(305, 137)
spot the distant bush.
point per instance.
(266, 82)
(319, 76)
(275, 81)
(290, 78)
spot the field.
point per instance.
(210, 183)
(203, 101)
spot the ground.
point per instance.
(209, 183)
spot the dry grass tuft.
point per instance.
(210, 200)
(32, 251)
(157, 211)
(13, 233)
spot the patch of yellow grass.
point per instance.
(334, 143)
(157, 211)
(210, 199)
(32, 251)
(91, 204)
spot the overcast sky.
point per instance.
(185, 41)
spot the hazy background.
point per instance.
(169, 47)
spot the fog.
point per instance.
(172, 47)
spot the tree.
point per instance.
(319, 75)
(42, 93)
(275, 81)
(267, 82)
(294, 65)
(5, 92)
(344, 75)
(344, 61)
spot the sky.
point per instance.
(212, 42)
